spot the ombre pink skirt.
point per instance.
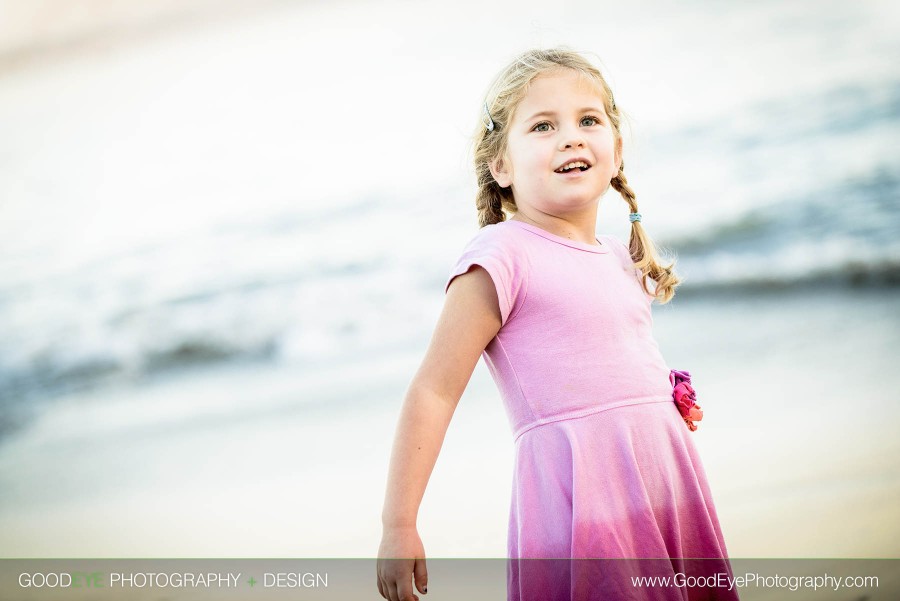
(602, 499)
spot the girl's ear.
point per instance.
(500, 172)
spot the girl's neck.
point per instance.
(582, 230)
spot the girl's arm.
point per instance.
(469, 320)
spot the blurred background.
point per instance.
(225, 229)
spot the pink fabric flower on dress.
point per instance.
(685, 398)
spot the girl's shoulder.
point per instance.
(501, 237)
(504, 230)
(620, 249)
(624, 253)
(615, 243)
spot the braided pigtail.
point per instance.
(490, 198)
(643, 251)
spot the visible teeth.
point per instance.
(573, 165)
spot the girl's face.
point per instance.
(560, 120)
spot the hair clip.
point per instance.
(489, 123)
(634, 217)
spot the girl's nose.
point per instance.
(571, 139)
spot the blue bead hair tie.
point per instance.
(634, 217)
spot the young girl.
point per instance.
(605, 466)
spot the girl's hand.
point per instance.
(394, 582)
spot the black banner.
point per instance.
(457, 579)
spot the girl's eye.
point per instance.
(585, 121)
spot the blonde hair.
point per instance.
(492, 201)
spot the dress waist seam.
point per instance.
(583, 413)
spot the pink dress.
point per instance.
(605, 466)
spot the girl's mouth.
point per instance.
(573, 166)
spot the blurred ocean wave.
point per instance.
(177, 306)
(844, 234)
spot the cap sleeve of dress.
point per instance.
(494, 252)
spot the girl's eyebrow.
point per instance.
(588, 109)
